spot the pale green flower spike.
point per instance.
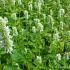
(8, 43)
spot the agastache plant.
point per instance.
(8, 43)
(30, 6)
(39, 25)
(26, 14)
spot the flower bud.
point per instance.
(30, 5)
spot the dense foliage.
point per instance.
(34, 34)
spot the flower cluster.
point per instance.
(6, 34)
(56, 35)
(38, 24)
(26, 14)
(30, 6)
(38, 5)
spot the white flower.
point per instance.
(15, 32)
(13, 15)
(40, 1)
(34, 29)
(35, 4)
(39, 59)
(1, 19)
(51, 12)
(50, 20)
(61, 24)
(1, 41)
(61, 12)
(58, 56)
(1, 44)
(30, 5)
(36, 20)
(20, 2)
(40, 27)
(9, 50)
(8, 37)
(67, 54)
(6, 32)
(26, 14)
(56, 35)
(4, 20)
(38, 5)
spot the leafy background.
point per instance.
(28, 45)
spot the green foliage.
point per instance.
(47, 46)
